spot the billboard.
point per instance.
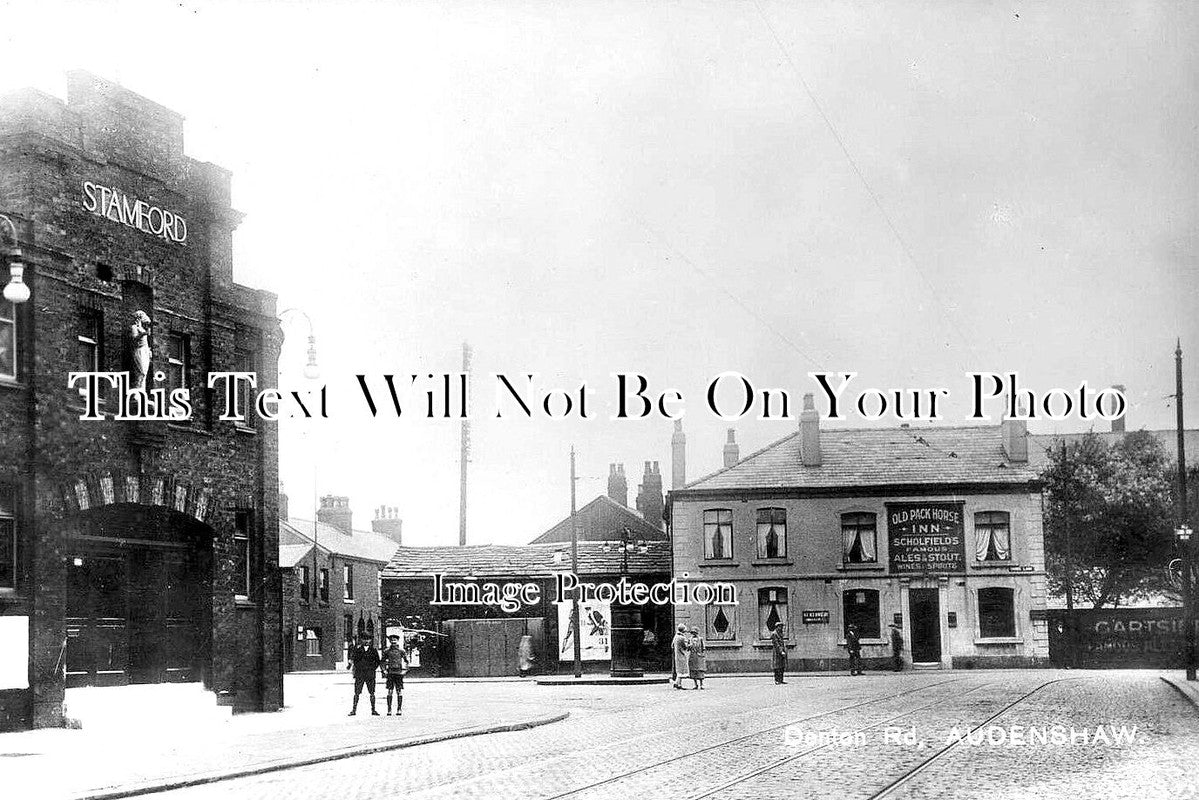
(595, 619)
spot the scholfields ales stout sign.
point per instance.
(926, 537)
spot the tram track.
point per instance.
(744, 737)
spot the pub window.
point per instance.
(718, 533)
(8, 538)
(304, 582)
(313, 639)
(8, 340)
(246, 360)
(324, 586)
(241, 553)
(859, 532)
(860, 607)
(178, 358)
(347, 576)
(992, 536)
(772, 533)
(996, 612)
(772, 609)
(720, 623)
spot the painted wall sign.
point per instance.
(926, 537)
(815, 617)
(595, 618)
(113, 204)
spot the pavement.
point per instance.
(314, 728)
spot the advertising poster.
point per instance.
(926, 537)
(595, 620)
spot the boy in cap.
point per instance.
(393, 664)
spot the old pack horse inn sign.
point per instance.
(926, 537)
(113, 204)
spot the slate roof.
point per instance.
(601, 520)
(292, 554)
(363, 545)
(855, 457)
(530, 560)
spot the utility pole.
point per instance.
(464, 456)
(574, 568)
(1071, 652)
(1188, 560)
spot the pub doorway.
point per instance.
(139, 604)
(924, 611)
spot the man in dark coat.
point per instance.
(778, 644)
(853, 645)
(364, 660)
(896, 648)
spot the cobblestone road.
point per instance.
(836, 737)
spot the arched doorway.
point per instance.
(138, 605)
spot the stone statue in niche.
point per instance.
(139, 347)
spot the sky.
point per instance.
(908, 191)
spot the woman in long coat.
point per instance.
(697, 662)
(678, 649)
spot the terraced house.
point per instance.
(936, 529)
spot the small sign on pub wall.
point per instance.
(815, 617)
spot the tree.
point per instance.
(1115, 505)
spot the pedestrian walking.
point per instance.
(678, 649)
(697, 662)
(394, 665)
(525, 657)
(364, 660)
(778, 644)
(896, 648)
(853, 645)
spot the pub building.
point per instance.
(937, 529)
(131, 552)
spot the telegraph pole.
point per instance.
(574, 568)
(1188, 561)
(464, 456)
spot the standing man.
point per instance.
(364, 660)
(853, 644)
(896, 648)
(678, 655)
(394, 662)
(778, 642)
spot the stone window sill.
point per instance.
(872, 567)
(245, 429)
(241, 601)
(719, 563)
(999, 640)
(9, 383)
(772, 562)
(723, 644)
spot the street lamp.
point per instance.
(1183, 534)
(311, 370)
(627, 635)
(16, 291)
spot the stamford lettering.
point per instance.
(112, 203)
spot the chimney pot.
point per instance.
(809, 433)
(732, 452)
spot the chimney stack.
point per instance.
(809, 432)
(732, 453)
(387, 523)
(649, 497)
(618, 487)
(678, 456)
(1014, 438)
(284, 509)
(1118, 422)
(335, 511)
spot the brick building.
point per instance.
(130, 551)
(330, 579)
(937, 529)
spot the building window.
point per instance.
(90, 337)
(246, 360)
(178, 358)
(324, 587)
(348, 638)
(8, 340)
(859, 534)
(241, 553)
(720, 623)
(772, 609)
(992, 536)
(312, 637)
(718, 533)
(772, 533)
(8, 538)
(996, 612)
(303, 582)
(860, 607)
(347, 576)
